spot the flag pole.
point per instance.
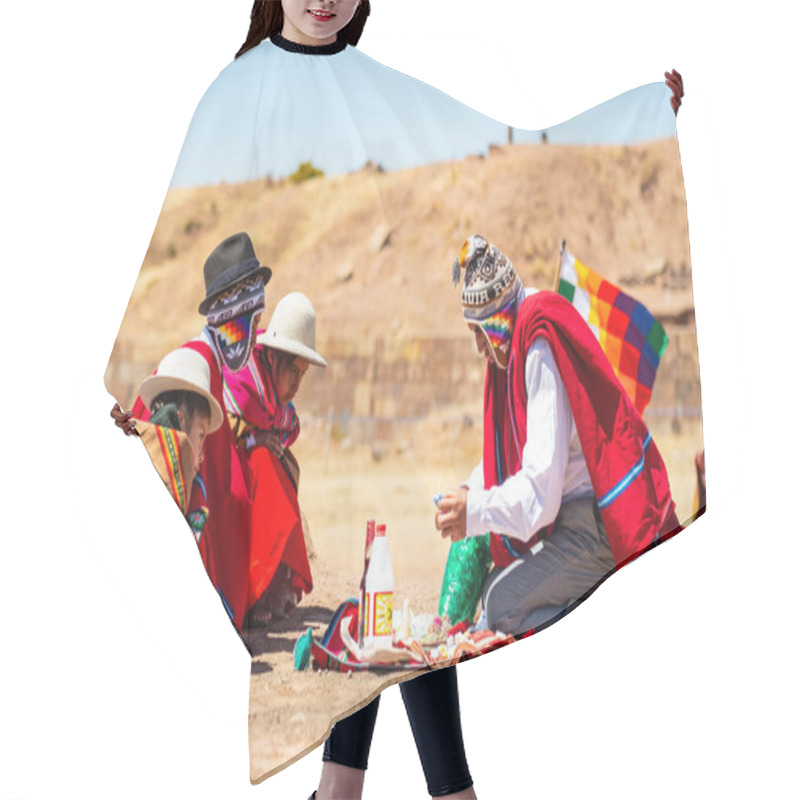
(558, 266)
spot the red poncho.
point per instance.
(627, 472)
(277, 529)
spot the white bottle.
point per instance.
(379, 595)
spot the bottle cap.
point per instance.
(380, 530)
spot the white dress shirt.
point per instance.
(553, 468)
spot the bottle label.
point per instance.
(382, 616)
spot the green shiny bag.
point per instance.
(467, 564)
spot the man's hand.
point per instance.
(451, 519)
(675, 83)
(124, 420)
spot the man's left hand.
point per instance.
(451, 519)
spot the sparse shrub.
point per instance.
(305, 172)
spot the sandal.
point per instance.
(259, 618)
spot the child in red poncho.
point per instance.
(183, 412)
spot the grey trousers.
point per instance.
(539, 586)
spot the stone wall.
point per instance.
(373, 388)
(372, 392)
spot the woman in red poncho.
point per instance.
(258, 400)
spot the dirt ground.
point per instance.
(290, 710)
(297, 704)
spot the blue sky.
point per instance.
(271, 110)
(639, 115)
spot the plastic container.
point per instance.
(378, 594)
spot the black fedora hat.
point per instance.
(230, 262)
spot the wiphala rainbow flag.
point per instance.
(631, 337)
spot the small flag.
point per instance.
(629, 334)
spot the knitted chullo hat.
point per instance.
(490, 291)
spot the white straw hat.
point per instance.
(292, 328)
(183, 370)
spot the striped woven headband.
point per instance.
(244, 298)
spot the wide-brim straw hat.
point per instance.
(293, 329)
(183, 370)
(231, 261)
